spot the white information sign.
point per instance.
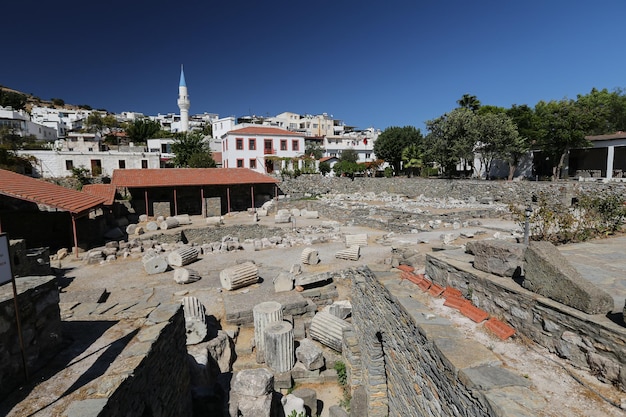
(5, 259)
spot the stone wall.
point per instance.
(156, 378)
(38, 301)
(516, 192)
(592, 342)
(410, 362)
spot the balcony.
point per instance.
(270, 151)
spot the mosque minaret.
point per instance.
(183, 102)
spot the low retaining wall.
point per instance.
(592, 342)
(409, 362)
(38, 300)
(155, 380)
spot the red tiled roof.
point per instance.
(264, 130)
(327, 158)
(616, 135)
(104, 191)
(170, 177)
(42, 192)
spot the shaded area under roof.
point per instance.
(104, 191)
(42, 192)
(172, 177)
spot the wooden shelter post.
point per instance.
(252, 194)
(202, 203)
(75, 235)
(145, 196)
(228, 198)
(175, 203)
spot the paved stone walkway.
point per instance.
(603, 262)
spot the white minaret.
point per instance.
(183, 102)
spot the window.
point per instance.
(239, 163)
(144, 164)
(121, 163)
(239, 144)
(368, 155)
(96, 167)
(252, 144)
(69, 165)
(268, 147)
(283, 145)
(253, 164)
(295, 145)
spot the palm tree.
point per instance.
(412, 158)
(469, 101)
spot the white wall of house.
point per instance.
(248, 150)
(72, 119)
(361, 141)
(20, 122)
(57, 164)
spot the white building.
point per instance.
(62, 120)
(20, 123)
(361, 141)
(262, 149)
(58, 164)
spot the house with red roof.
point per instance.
(263, 149)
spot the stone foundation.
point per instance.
(38, 301)
(592, 342)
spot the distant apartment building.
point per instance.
(62, 120)
(262, 148)
(19, 122)
(362, 141)
(172, 122)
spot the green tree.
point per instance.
(497, 134)
(412, 157)
(606, 110)
(470, 102)
(324, 168)
(191, 148)
(12, 99)
(393, 140)
(349, 155)
(142, 129)
(58, 102)
(524, 118)
(348, 168)
(313, 148)
(562, 126)
(451, 140)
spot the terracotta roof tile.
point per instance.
(104, 191)
(42, 192)
(170, 177)
(264, 130)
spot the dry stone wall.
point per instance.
(38, 300)
(410, 362)
(592, 342)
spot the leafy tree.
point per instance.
(393, 140)
(142, 129)
(349, 155)
(562, 126)
(469, 101)
(498, 136)
(451, 140)
(9, 139)
(324, 168)
(607, 110)
(202, 160)
(313, 148)
(524, 118)
(412, 157)
(12, 99)
(191, 148)
(348, 168)
(58, 102)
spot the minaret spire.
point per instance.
(183, 102)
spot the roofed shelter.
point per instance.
(42, 213)
(205, 191)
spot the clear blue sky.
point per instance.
(368, 63)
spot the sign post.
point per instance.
(6, 275)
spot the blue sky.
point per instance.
(368, 63)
